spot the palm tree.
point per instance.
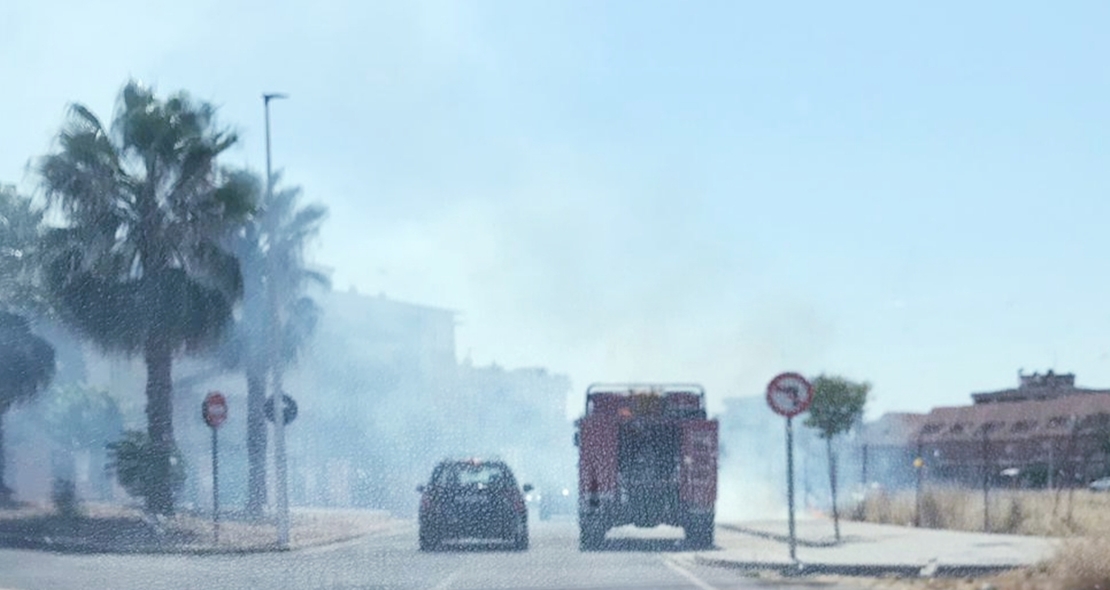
(26, 368)
(20, 233)
(270, 248)
(138, 266)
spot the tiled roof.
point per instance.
(1013, 420)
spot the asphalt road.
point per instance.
(640, 559)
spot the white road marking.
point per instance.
(685, 573)
(446, 583)
(386, 533)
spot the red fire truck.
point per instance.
(647, 455)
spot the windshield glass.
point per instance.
(698, 294)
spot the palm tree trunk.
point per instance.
(256, 439)
(158, 356)
(5, 491)
(832, 486)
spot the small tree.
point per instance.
(838, 405)
(26, 368)
(136, 463)
(79, 418)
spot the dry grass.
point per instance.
(1083, 564)
(1082, 517)
(1023, 512)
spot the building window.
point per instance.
(931, 429)
(1023, 426)
(989, 427)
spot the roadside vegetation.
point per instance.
(1061, 513)
(1081, 517)
(155, 249)
(1081, 564)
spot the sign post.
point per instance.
(918, 466)
(288, 411)
(214, 412)
(789, 394)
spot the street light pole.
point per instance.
(281, 492)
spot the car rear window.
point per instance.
(475, 474)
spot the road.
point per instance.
(641, 559)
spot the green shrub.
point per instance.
(133, 460)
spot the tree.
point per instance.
(20, 233)
(139, 266)
(26, 368)
(270, 247)
(837, 406)
(21, 288)
(78, 418)
(136, 461)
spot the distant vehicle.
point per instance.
(647, 455)
(557, 501)
(1100, 485)
(472, 499)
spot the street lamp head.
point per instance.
(272, 95)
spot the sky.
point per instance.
(911, 194)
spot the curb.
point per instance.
(861, 570)
(75, 547)
(782, 538)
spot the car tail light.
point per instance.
(518, 502)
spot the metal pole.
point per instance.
(863, 469)
(986, 486)
(917, 499)
(275, 369)
(1051, 464)
(917, 464)
(215, 489)
(790, 485)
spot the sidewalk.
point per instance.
(121, 529)
(872, 549)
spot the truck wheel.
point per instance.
(428, 540)
(699, 533)
(590, 535)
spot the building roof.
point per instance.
(1014, 420)
(1036, 387)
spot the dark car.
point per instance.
(472, 499)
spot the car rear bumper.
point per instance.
(446, 528)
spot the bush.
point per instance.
(1081, 564)
(133, 459)
(64, 496)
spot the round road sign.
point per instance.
(290, 408)
(789, 394)
(214, 409)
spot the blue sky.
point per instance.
(908, 193)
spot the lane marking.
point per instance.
(446, 583)
(365, 538)
(685, 573)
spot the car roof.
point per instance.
(474, 461)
